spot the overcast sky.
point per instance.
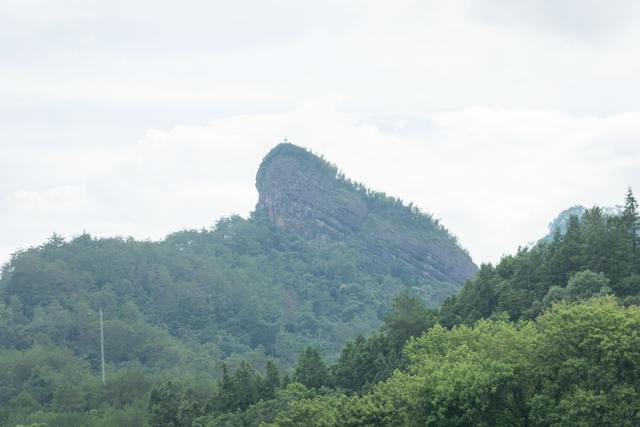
(139, 118)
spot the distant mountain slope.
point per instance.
(561, 222)
(318, 263)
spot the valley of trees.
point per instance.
(547, 337)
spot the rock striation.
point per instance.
(304, 194)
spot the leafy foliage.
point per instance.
(598, 253)
(577, 364)
(311, 370)
(242, 295)
(240, 291)
(46, 384)
(548, 336)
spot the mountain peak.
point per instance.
(303, 193)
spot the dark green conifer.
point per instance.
(311, 370)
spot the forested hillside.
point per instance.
(575, 365)
(243, 292)
(563, 351)
(598, 253)
(274, 321)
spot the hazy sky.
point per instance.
(146, 117)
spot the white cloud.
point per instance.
(146, 117)
(495, 177)
(589, 19)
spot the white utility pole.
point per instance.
(102, 346)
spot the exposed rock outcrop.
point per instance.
(302, 193)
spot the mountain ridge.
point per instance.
(244, 289)
(303, 193)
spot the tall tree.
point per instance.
(271, 381)
(630, 214)
(164, 403)
(408, 318)
(245, 387)
(311, 370)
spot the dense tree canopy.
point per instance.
(241, 291)
(547, 337)
(577, 364)
(597, 253)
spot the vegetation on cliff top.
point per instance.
(376, 201)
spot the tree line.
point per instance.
(548, 336)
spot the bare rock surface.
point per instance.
(304, 194)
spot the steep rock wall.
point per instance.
(302, 193)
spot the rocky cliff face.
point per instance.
(302, 193)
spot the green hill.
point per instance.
(318, 262)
